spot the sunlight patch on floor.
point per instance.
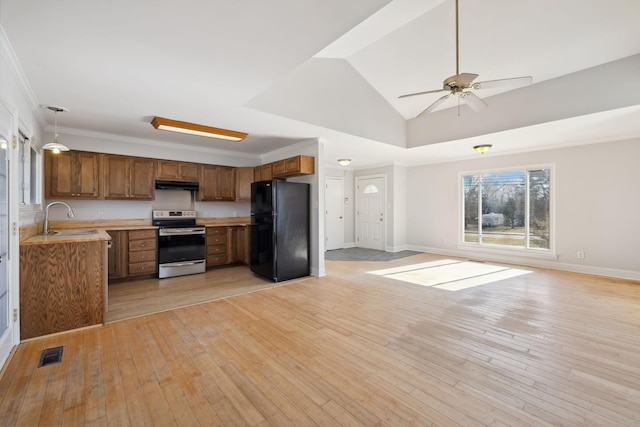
(450, 275)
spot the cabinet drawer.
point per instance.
(142, 268)
(142, 234)
(217, 240)
(216, 231)
(142, 245)
(216, 249)
(216, 260)
(141, 256)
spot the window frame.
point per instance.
(488, 248)
(28, 209)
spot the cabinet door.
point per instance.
(116, 179)
(88, 175)
(208, 183)
(226, 183)
(72, 174)
(189, 171)
(244, 178)
(142, 186)
(118, 254)
(60, 175)
(279, 168)
(167, 169)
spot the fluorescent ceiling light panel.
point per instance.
(195, 129)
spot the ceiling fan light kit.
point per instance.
(457, 84)
(55, 146)
(196, 129)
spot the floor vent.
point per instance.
(50, 356)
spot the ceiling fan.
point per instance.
(457, 84)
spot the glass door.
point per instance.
(6, 334)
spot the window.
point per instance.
(508, 209)
(28, 159)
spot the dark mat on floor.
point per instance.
(361, 254)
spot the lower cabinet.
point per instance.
(217, 246)
(143, 255)
(62, 287)
(133, 254)
(227, 245)
(118, 254)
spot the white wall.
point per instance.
(312, 147)
(597, 200)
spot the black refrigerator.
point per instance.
(280, 224)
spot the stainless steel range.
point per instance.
(181, 243)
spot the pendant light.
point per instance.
(55, 146)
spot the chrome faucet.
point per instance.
(70, 214)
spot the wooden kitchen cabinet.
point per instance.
(72, 174)
(244, 178)
(239, 242)
(293, 166)
(262, 173)
(127, 177)
(179, 171)
(118, 254)
(62, 287)
(217, 246)
(142, 252)
(217, 183)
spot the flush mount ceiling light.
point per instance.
(482, 148)
(195, 129)
(55, 146)
(344, 162)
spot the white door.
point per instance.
(334, 213)
(370, 221)
(6, 325)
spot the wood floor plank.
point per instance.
(352, 348)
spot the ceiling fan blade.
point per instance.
(464, 79)
(472, 100)
(515, 81)
(422, 93)
(433, 106)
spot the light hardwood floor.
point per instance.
(351, 348)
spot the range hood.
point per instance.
(162, 184)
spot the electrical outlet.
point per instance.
(100, 215)
(580, 255)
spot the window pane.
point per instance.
(33, 189)
(503, 208)
(21, 170)
(539, 185)
(470, 188)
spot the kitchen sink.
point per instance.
(74, 232)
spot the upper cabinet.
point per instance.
(262, 173)
(244, 178)
(129, 178)
(87, 175)
(180, 171)
(217, 183)
(72, 174)
(293, 166)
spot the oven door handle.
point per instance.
(181, 264)
(182, 232)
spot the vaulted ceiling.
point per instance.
(285, 71)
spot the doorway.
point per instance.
(370, 212)
(334, 213)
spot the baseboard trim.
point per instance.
(533, 262)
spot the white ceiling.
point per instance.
(289, 70)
